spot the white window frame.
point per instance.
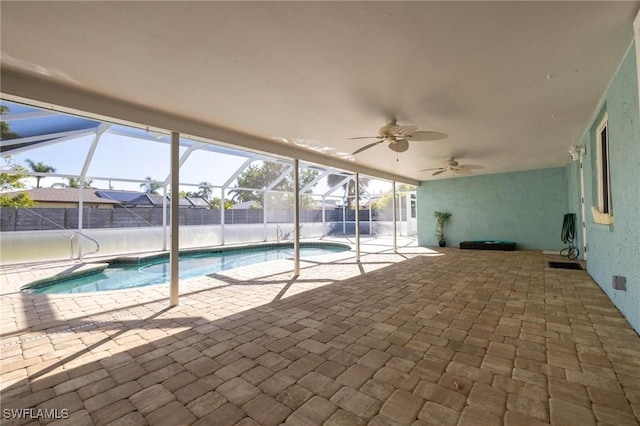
(601, 157)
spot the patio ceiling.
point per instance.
(512, 83)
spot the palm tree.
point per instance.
(5, 128)
(205, 190)
(39, 167)
(73, 183)
(150, 187)
(349, 186)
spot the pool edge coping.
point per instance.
(89, 268)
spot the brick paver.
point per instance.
(423, 337)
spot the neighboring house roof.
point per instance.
(183, 202)
(198, 202)
(134, 198)
(243, 205)
(64, 195)
(156, 200)
(126, 197)
(100, 196)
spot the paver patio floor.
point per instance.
(441, 337)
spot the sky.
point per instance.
(124, 157)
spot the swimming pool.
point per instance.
(195, 264)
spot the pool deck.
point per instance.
(419, 336)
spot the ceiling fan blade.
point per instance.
(471, 166)
(425, 135)
(438, 172)
(428, 170)
(366, 147)
(365, 137)
(402, 130)
(399, 145)
(463, 171)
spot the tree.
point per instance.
(5, 130)
(11, 180)
(385, 200)
(21, 200)
(205, 190)
(349, 187)
(150, 187)
(215, 203)
(39, 167)
(73, 183)
(257, 178)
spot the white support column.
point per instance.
(344, 216)
(583, 222)
(370, 220)
(393, 215)
(80, 214)
(296, 218)
(264, 214)
(222, 215)
(175, 221)
(357, 217)
(164, 217)
(324, 219)
(400, 210)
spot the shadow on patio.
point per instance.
(465, 337)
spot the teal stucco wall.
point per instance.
(615, 249)
(526, 207)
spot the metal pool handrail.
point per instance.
(76, 233)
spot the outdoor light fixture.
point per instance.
(576, 151)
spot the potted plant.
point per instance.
(441, 219)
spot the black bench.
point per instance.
(488, 245)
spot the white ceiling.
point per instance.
(512, 83)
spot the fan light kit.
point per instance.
(398, 137)
(451, 165)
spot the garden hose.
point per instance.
(568, 236)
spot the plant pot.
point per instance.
(442, 243)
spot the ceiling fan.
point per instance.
(399, 136)
(452, 165)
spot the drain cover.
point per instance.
(565, 265)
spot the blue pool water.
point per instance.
(118, 277)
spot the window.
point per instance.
(604, 183)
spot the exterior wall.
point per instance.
(525, 207)
(615, 249)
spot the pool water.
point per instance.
(118, 277)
